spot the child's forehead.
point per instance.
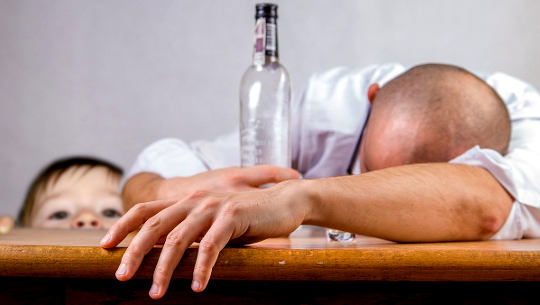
(83, 176)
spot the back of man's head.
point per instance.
(433, 113)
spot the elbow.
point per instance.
(493, 209)
(490, 223)
(494, 215)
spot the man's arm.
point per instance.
(421, 202)
(142, 187)
(412, 203)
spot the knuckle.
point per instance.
(136, 250)
(231, 209)
(208, 246)
(174, 239)
(139, 209)
(197, 194)
(208, 205)
(153, 223)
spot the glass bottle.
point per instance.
(265, 93)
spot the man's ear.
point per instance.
(372, 91)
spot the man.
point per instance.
(419, 120)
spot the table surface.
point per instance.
(76, 254)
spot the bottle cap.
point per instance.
(266, 10)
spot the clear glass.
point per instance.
(337, 235)
(265, 94)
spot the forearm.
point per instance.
(421, 202)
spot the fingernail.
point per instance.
(154, 290)
(195, 286)
(122, 269)
(105, 239)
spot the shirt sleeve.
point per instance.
(519, 170)
(172, 157)
(168, 158)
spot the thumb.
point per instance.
(262, 174)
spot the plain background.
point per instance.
(107, 78)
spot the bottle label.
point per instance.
(259, 45)
(271, 39)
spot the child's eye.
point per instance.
(59, 215)
(111, 213)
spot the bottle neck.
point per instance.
(265, 45)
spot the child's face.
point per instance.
(81, 198)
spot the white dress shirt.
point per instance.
(328, 115)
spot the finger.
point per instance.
(213, 242)
(6, 224)
(135, 217)
(262, 174)
(173, 249)
(152, 230)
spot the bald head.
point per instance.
(433, 113)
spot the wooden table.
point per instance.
(62, 266)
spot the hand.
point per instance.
(216, 217)
(232, 179)
(145, 187)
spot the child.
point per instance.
(76, 193)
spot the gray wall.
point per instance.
(108, 77)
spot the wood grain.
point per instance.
(76, 254)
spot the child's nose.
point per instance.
(86, 220)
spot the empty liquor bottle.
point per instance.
(265, 93)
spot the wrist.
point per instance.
(312, 201)
(301, 195)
